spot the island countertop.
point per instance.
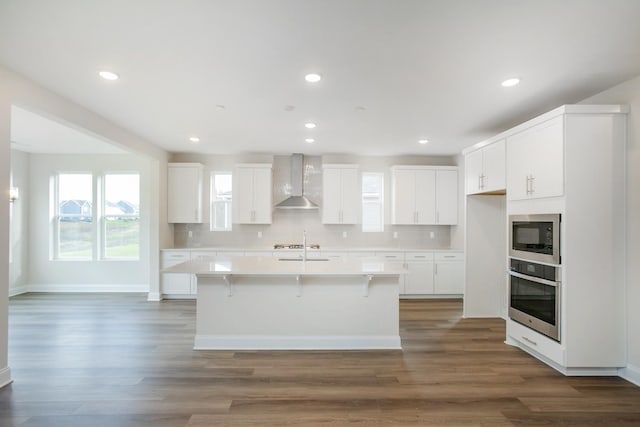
(286, 266)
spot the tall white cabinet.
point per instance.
(424, 195)
(252, 202)
(184, 192)
(341, 194)
(569, 161)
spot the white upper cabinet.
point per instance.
(252, 194)
(184, 192)
(424, 195)
(341, 195)
(535, 161)
(485, 169)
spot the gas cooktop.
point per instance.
(294, 246)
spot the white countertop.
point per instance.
(322, 249)
(273, 266)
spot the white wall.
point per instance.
(287, 225)
(19, 224)
(629, 93)
(5, 164)
(46, 274)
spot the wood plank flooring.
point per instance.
(102, 360)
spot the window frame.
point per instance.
(213, 202)
(378, 202)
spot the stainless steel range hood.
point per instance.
(297, 200)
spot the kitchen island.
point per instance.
(271, 303)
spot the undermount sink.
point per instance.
(300, 259)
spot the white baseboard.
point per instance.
(630, 373)
(261, 342)
(58, 287)
(154, 296)
(5, 377)
(17, 290)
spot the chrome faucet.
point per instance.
(304, 245)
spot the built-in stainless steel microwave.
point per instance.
(535, 237)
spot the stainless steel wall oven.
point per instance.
(534, 296)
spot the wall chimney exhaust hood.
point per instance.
(297, 200)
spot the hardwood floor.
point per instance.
(118, 360)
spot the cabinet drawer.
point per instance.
(341, 256)
(391, 256)
(195, 255)
(532, 340)
(170, 259)
(419, 256)
(449, 256)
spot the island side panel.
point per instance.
(280, 312)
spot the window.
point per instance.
(81, 218)
(372, 201)
(121, 214)
(74, 216)
(220, 210)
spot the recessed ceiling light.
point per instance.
(310, 140)
(313, 77)
(108, 75)
(423, 141)
(511, 82)
(310, 125)
(194, 139)
(220, 107)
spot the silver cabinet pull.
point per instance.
(532, 342)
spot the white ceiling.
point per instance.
(420, 68)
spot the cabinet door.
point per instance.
(350, 196)
(473, 172)
(425, 195)
(184, 194)
(494, 167)
(404, 197)
(447, 197)
(535, 162)
(449, 278)
(331, 196)
(176, 283)
(419, 279)
(261, 196)
(243, 195)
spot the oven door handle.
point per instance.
(533, 279)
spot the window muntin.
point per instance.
(221, 197)
(121, 215)
(372, 202)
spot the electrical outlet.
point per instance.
(190, 233)
(259, 234)
(395, 234)
(344, 234)
(432, 234)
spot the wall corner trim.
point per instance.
(630, 373)
(5, 377)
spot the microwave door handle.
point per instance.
(533, 279)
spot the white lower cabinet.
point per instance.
(176, 283)
(419, 279)
(448, 274)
